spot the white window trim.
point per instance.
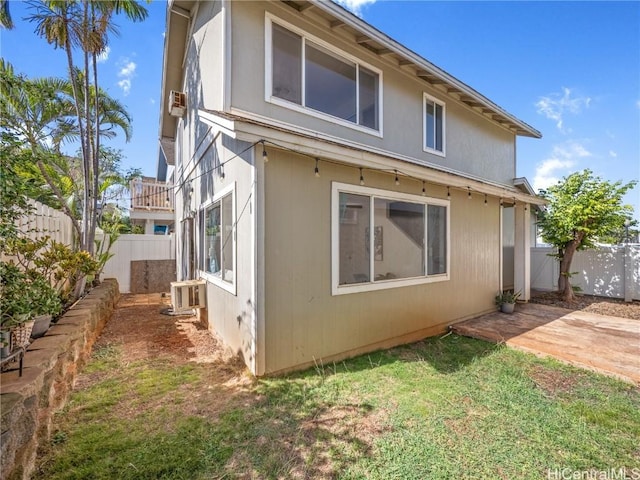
(336, 288)
(230, 287)
(268, 78)
(443, 153)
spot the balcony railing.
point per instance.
(151, 195)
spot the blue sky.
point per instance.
(569, 69)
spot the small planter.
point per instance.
(506, 301)
(21, 333)
(41, 325)
(507, 307)
(5, 342)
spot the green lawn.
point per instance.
(447, 407)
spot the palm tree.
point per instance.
(5, 15)
(84, 24)
(40, 112)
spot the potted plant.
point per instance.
(506, 300)
(5, 342)
(47, 304)
(16, 303)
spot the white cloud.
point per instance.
(125, 85)
(355, 6)
(104, 56)
(556, 105)
(152, 101)
(128, 70)
(126, 73)
(562, 159)
(613, 154)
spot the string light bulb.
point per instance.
(167, 202)
(485, 200)
(448, 193)
(397, 180)
(469, 194)
(361, 177)
(265, 158)
(424, 190)
(501, 202)
(148, 206)
(317, 171)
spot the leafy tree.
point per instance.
(581, 209)
(14, 202)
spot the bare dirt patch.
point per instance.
(553, 382)
(592, 304)
(144, 335)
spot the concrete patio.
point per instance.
(609, 345)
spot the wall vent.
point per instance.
(177, 103)
(188, 295)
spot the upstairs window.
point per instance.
(315, 76)
(434, 118)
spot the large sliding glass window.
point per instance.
(320, 78)
(219, 239)
(386, 239)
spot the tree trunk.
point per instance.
(58, 194)
(89, 171)
(561, 278)
(74, 88)
(96, 154)
(564, 286)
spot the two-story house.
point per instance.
(338, 192)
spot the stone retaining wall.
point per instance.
(50, 368)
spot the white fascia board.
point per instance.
(224, 125)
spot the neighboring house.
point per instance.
(152, 202)
(337, 192)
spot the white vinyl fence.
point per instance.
(608, 271)
(46, 221)
(129, 248)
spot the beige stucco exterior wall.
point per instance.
(474, 144)
(304, 322)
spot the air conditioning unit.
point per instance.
(188, 295)
(177, 103)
